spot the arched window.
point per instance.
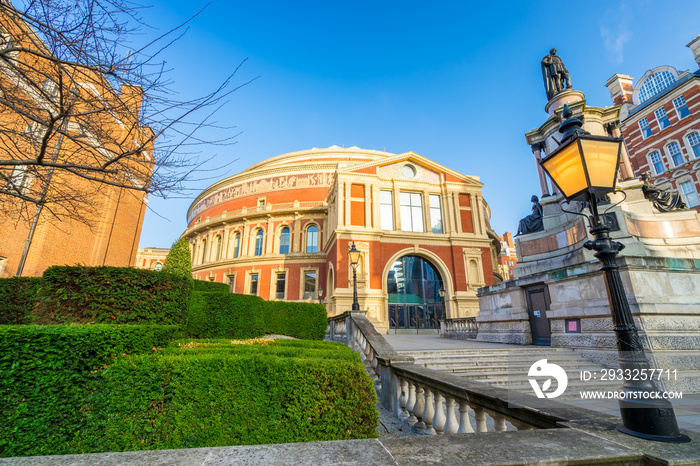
(259, 236)
(204, 250)
(414, 287)
(657, 163)
(236, 245)
(654, 84)
(284, 241)
(312, 239)
(674, 151)
(218, 248)
(694, 140)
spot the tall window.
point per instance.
(232, 283)
(20, 179)
(386, 210)
(411, 212)
(312, 239)
(657, 163)
(284, 241)
(309, 285)
(218, 248)
(689, 193)
(279, 287)
(675, 152)
(254, 284)
(644, 128)
(681, 107)
(662, 118)
(236, 245)
(204, 250)
(694, 140)
(435, 213)
(259, 236)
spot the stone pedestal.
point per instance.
(660, 269)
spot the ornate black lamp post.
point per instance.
(584, 167)
(354, 256)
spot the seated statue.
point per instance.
(532, 222)
(663, 200)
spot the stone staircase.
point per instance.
(509, 368)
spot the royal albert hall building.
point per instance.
(281, 229)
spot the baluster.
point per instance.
(499, 422)
(439, 417)
(411, 403)
(429, 411)
(404, 400)
(451, 425)
(418, 408)
(398, 393)
(465, 425)
(480, 418)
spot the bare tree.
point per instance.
(83, 109)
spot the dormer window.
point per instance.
(655, 84)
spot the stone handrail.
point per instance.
(439, 402)
(462, 328)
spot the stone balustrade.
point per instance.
(462, 328)
(433, 401)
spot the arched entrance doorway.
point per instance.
(413, 285)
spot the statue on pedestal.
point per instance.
(556, 76)
(532, 222)
(663, 200)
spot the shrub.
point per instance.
(178, 261)
(44, 375)
(212, 315)
(210, 287)
(118, 295)
(220, 394)
(301, 320)
(18, 297)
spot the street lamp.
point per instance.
(584, 167)
(319, 293)
(354, 256)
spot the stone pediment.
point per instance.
(412, 167)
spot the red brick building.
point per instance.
(660, 122)
(85, 221)
(508, 257)
(281, 229)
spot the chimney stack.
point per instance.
(694, 46)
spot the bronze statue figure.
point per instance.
(556, 76)
(663, 200)
(532, 222)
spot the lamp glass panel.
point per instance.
(602, 158)
(354, 256)
(566, 169)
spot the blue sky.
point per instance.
(458, 82)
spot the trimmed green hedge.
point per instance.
(211, 287)
(307, 321)
(44, 376)
(118, 295)
(212, 315)
(17, 299)
(219, 393)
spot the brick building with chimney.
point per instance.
(660, 122)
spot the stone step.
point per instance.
(490, 358)
(486, 352)
(464, 366)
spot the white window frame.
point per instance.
(689, 143)
(670, 154)
(274, 274)
(652, 164)
(677, 107)
(645, 126)
(306, 238)
(661, 117)
(249, 282)
(302, 282)
(386, 220)
(436, 212)
(689, 182)
(412, 217)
